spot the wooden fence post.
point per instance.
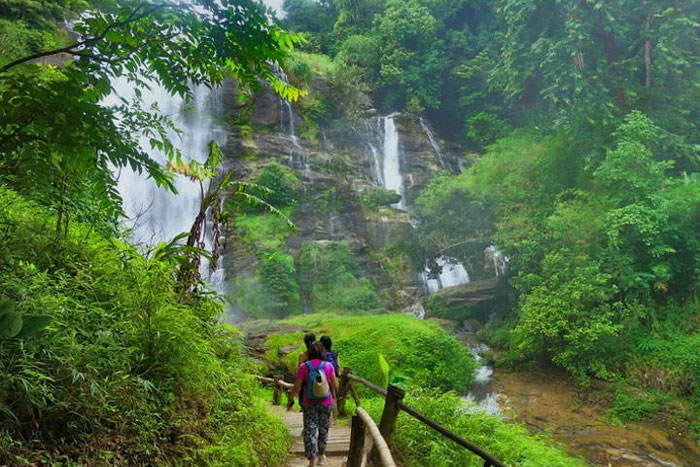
(277, 390)
(357, 443)
(343, 389)
(394, 395)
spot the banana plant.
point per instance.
(14, 325)
(211, 199)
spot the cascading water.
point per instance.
(452, 273)
(480, 392)
(496, 259)
(154, 214)
(298, 158)
(391, 166)
(433, 142)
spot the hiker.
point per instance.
(309, 339)
(318, 376)
(331, 356)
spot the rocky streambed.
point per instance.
(551, 403)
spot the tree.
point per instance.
(58, 137)
(411, 59)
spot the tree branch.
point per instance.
(73, 48)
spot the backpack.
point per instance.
(317, 387)
(333, 360)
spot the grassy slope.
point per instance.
(419, 350)
(125, 374)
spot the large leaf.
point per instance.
(10, 324)
(33, 324)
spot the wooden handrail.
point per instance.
(377, 438)
(381, 435)
(279, 382)
(490, 460)
(367, 384)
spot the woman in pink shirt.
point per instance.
(317, 408)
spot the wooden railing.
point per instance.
(383, 434)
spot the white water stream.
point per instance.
(393, 180)
(433, 142)
(452, 273)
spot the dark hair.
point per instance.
(316, 351)
(327, 343)
(309, 339)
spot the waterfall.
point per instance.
(496, 259)
(452, 273)
(433, 142)
(154, 214)
(391, 162)
(297, 156)
(373, 135)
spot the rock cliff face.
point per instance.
(339, 166)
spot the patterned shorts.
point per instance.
(317, 421)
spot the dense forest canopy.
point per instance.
(585, 116)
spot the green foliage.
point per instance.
(17, 39)
(510, 443)
(60, 138)
(328, 279)
(379, 197)
(15, 325)
(410, 54)
(452, 221)
(278, 278)
(125, 363)
(419, 350)
(592, 244)
(485, 128)
(267, 231)
(626, 407)
(281, 185)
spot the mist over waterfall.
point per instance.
(154, 214)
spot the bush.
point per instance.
(485, 128)
(282, 183)
(278, 278)
(626, 407)
(126, 373)
(328, 278)
(380, 197)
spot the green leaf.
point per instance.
(384, 369)
(10, 324)
(33, 324)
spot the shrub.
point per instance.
(126, 372)
(327, 275)
(380, 197)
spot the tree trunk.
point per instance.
(647, 52)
